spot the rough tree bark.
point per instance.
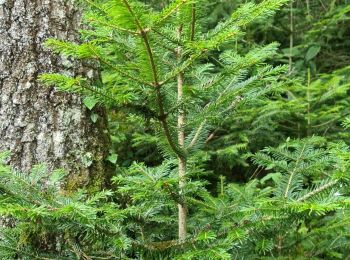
(37, 124)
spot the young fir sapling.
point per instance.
(162, 67)
(159, 60)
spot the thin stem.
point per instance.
(211, 136)
(197, 134)
(222, 181)
(167, 37)
(181, 140)
(318, 190)
(120, 71)
(193, 22)
(183, 67)
(162, 114)
(114, 26)
(293, 172)
(144, 36)
(308, 9)
(107, 24)
(291, 39)
(172, 11)
(308, 102)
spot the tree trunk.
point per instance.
(38, 124)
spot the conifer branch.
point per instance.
(164, 245)
(175, 41)
(136, 19)
(114, 27)
(120, 71)
(293, 172)
(151, 57)
(184, 66)
(211, 136)
(318, 190)
(162, 114)
(197, 134)
(146, 41)
(172, 10)
(107, 24)
(98, 93)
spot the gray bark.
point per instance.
(38, 124)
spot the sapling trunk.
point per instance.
(308, 102)
(181, 140)
(291, 36)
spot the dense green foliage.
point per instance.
(266, 136)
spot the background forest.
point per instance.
(228, 123)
